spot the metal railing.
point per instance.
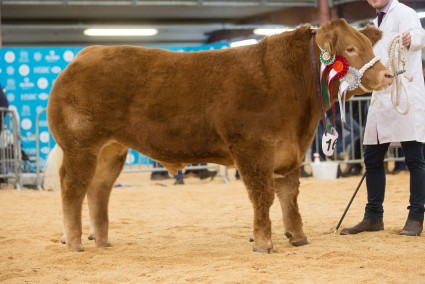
(351, 149)
(10, 148)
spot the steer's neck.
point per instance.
(288, 59)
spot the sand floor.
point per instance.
(198, 233)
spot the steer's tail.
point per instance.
(53, 164)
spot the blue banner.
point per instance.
(27, 75)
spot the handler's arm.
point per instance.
(411, 24)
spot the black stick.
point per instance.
(349, 204)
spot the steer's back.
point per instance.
(151, 99)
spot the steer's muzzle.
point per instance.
(384, 79)
(388, 80)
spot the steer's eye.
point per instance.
(350, 49)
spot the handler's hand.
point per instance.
(406, 39)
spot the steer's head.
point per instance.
(339, 38)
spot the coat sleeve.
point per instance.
(410, 22)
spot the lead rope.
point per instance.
(398, 66)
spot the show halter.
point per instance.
(349, 77)
(335, 67)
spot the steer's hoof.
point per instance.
(77, 248)
(251, 239)
(103, 244)
(267, 248)
(298, 243)
(90, 237)
(263, 250)
(63, 240)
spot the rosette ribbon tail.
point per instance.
(342, 92)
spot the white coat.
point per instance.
(384, 123)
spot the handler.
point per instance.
(387, 122)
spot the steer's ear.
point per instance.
(372, 33)
(326, 37)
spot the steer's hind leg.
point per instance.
(258, 178)
(76, 173)
(287, 192)
(109, 165)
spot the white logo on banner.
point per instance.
(24, 70)
(11, 97)
(10, 70)
(23, 56)
(41, 70)
(26, 84)
(37, 56)
(37, 110)
(52, 57)
(9, 57)
(45, 150)
(43, 123)
(26, 124)
(28, 97)
(25, 110)
(43, 96)
(56, 69)
(42, 83)
(68, 56)
(44, 137)
(10, 84)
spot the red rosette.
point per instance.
(340, 66)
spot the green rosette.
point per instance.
(326, 58)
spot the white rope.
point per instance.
(368, 65)
(397, 67)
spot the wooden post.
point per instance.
(324, 11)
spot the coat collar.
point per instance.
(392, 7)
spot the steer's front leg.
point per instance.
(287, 190)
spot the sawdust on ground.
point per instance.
(198, 233)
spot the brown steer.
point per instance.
(253, 107)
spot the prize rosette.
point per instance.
(352, 78)
(326, 58)
(340, 66)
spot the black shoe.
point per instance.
(206, 174)
(364, 226)
(412, 228)
(179, 181)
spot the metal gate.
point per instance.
(10, 148)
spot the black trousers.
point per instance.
(376, 182)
